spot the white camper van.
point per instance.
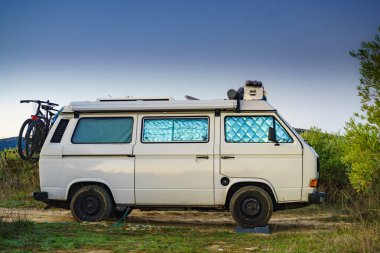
(159, 153)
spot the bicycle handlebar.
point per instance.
(38, 102)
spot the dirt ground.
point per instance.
(308, 220)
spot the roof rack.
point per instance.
(251, 97)
(152, 105)
(120, 99)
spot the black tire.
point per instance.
(35, 138)
(251, 207)
(91, 203)
(21, 142)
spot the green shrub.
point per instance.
(362, 155)
(329, 146)
(18, 178)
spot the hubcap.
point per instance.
(250, 207)
(91, 205)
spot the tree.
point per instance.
(362, 149)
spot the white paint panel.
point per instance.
(97, 149)
(199, 197)
(280, 165)
(117, 172)
(114, 171)
(171, 173)
(109, 164)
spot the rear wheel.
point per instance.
(21, 142)
(35, 138)
(251, 207)
(91, 203)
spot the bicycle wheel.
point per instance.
(21, 139)
(35, 137)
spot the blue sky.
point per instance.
(80, 50)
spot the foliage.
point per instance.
(362, 153)
(18, 179)
(362, 149)
(329, 147)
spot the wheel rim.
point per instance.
(250, 207)
(91, 206)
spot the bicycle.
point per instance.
(34, 130)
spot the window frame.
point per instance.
(121, 143)
(175, 117)
(255, 116)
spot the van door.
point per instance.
(246, 152)
(101, 150)
(174, 159)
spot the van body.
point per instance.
(117, 154)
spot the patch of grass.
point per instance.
(20, 199)
(13, 230)
(18, 179)
(146, 238)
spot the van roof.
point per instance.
(167, 105)
(128, 98)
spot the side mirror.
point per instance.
(272, 135)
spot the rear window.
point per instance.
(103, 130)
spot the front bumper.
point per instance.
(40, 196)
(317, 197)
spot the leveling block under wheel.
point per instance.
(256, 230)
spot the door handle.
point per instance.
(227, 157)
(202, 157)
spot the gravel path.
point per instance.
(309, 220)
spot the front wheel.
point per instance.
(91, 203)
(251, 207)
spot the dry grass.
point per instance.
(361, 238)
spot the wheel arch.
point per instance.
(266, 186)
(79, 183)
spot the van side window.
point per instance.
(103, 130)
(253, 129)
(175, 130)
